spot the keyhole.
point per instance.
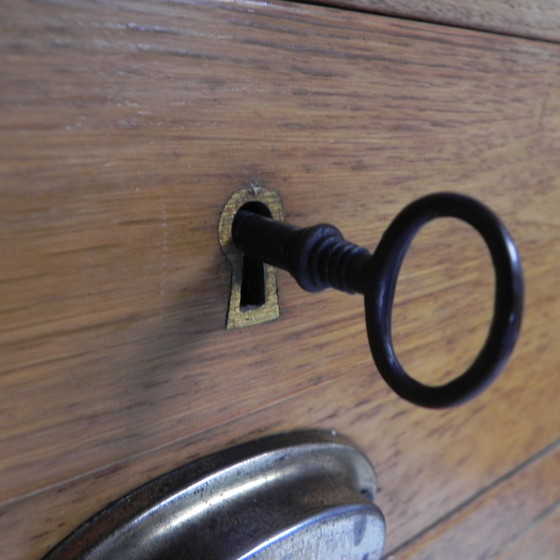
(253, 293)
(253, 297)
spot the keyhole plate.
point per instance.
(263, 306)
(301, 495)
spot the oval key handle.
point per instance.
(319, 257)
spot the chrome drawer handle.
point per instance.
(319, 257)
(307, 495)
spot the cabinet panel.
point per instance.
(126, 127)
(516, 518)
(539, 19)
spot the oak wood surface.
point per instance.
(538, 19)
(125, 128)
(516, 518)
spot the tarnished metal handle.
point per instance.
(297, 495)
(319, 257)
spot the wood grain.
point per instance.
(125, 128)
(538, 19)
(515, 518)
(540, 541)
(428, 464)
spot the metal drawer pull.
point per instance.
(319, 257)
(302, 495)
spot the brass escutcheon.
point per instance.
(244, 316)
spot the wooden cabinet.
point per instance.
(126, 125)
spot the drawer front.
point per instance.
(126, 127)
